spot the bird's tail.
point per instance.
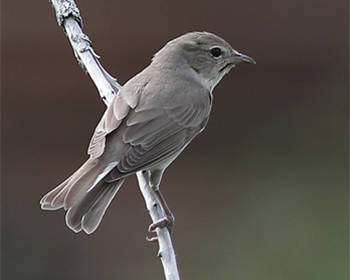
(85, 196)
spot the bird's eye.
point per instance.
(216, 52)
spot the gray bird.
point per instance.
(152, 119)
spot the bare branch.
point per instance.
(166, 251)
(68, 17)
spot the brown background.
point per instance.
(260, 194)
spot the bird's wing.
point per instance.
(146, 131)
(158, 134)
(110, 121)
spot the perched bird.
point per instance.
(154, 116)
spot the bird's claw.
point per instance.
(162, 223)
(153, 239)
(167, 222)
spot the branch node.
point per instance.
(65, 9)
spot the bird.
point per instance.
(152, 119)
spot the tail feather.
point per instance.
(54, 199)
(87, 213)
(81, 181)
(85, 195)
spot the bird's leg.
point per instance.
(154, 179)
(168, 220)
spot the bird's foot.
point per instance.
(167, 222)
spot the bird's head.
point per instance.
(205, 53)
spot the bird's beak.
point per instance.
(237, 58)
(241, 58)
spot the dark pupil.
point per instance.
(215, 52)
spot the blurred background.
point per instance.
(262, 193)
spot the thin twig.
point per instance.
(166, 251)
(69, 18)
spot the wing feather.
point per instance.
(143, 129)
(110, 121)
(158, 135)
